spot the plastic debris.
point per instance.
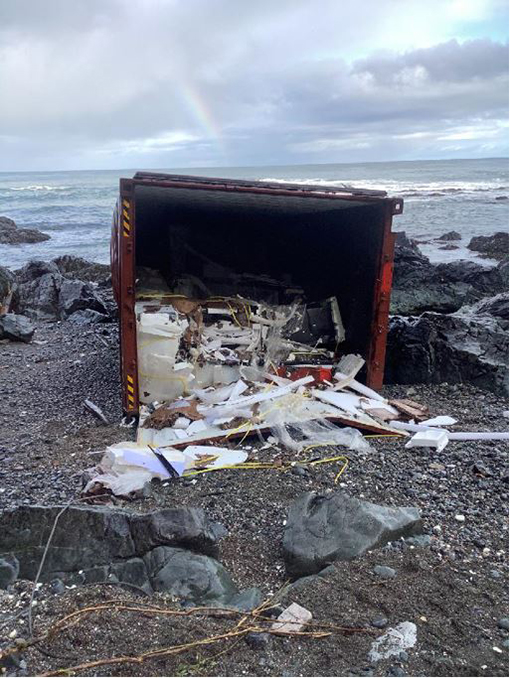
(436, 439)
(440, 421)
(96, 411)
(456, 435)
(393, 642)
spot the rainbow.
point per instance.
(202, 114)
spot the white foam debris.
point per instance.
(391, 643)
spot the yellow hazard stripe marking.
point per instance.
(126, 226)
(130, 387)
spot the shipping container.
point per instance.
(223, 239)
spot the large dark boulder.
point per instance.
(188, 528)
(87, 537)
(76, 295)
(10, 234)
(35, 269)
(493, 246)
(7, 224)
(470, 345)
(45, 294)
(9, 570)
(420, 286)
(16, 328)
(189, 575)
(39, 298)
(7, 287)
(168, 550)
(80, 269)
(88, 317)
(323, 529)
(483, 280)
(451, 235)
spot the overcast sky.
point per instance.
(93, 84)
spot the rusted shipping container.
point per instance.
(327, 242)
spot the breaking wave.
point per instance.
(404, 189)
(37, 187)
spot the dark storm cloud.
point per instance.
(116, 83)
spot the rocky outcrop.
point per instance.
(45, 294)
(7, 286)
(451, 235)
(169, 550)
(9, 570)
(10, 234)
(419, 285)
(81, 269)
(88, 317)
(188, 575)
(493, 246)
(16, 327)
(321, 530)
(470, 345)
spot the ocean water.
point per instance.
(75, 208)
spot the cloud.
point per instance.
(110, 83)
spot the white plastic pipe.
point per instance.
(457, 435)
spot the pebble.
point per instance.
(503, 623)
(460, 518)
(379, 622)
(57, 586)
(258, 641)
(384, 572)
(419, 540)
(396, 671)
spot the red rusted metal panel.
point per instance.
(126, 281)
(382, 293)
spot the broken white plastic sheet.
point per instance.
(218, 456)
(298, 422)
(126, 467)
(443, 420)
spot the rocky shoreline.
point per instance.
(447, 579)
(10, 234)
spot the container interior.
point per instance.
(265, 247)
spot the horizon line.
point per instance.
(209, 167)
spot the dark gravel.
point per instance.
(457, 584)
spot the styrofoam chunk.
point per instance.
(431, 438)
(440, 421)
